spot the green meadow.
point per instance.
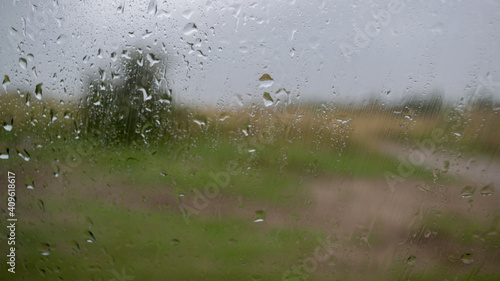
(247, 194)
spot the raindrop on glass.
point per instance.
(4, 152)
(61, 39)
(145, 94)
(44, 249)
(23, 153)
(152, 7)
(189, 28)
(411, 260)
(121, 7)
(260, 215)
(268, 100)
(90, 237)
(467, 191)
(265, 77)
(201, 120)
(38, 91)
(41, 205)
(423, 187)
(187, 14)
(467, 258)
(152, 60)
(6, 82)
(23, 63)
(8, 125)
(487, 190)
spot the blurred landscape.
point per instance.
(164, 192)
(250, 140)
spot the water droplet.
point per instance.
(223, 116)
(4, 151)
(113, 57)
(6, 82)
(424, 188)
(28, 99)
(243, 49)
(41, 205)
(201, 120)
(266, 83)
(53, 115)
(411, 260)
(165, 98)
(8, 125)
(56, 171)
(90, 237)
(38, 91)
(468, 191)
(190, 28)
(152, 59)
(145, 94)
(102, 74)
(268, 100)
(61, 39)
(44, 249)
(487, 190)
(29, 182)
(115, 75)
(146, 34)
(152, 7)
(121, 7)
(467, 258)
(260, 215)
(23, 63)
(187, 14)
(265, 77)
(342, 121)
(23, 153)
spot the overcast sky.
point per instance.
(328, 50)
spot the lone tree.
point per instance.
(131, 101)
